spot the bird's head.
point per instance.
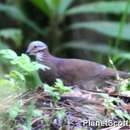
(35, 47)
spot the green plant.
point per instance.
(13, 34)
(22, 69)
(122, 84)
(10, 107)
(59, 117)
(29, 117)
(57, 90)
(15, 109)
(109, 101)
(16, 13)
(6, 123)
(57, 12)
(111, 104)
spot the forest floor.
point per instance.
(76, 110)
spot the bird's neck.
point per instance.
(43, 56)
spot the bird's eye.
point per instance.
(35, 46)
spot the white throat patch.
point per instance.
(39, 56)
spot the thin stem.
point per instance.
(121, 29)
(122, 24)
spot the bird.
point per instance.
(83, 73)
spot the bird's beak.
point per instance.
(28, 51)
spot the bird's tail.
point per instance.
(108, 72)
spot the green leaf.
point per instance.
(55, 3)
(60, 87)
(63, 7)
(60, 114)
(24, 72)
(37, 113)
(12, 33)
(8, 54)
(7, 89)
(107, 28)
(48, 88)
(51, 4)
(3, 45)
(113, 7)
(52, 91)
(57, 6)
(29, 116)
(18, 14)
(14, 110)
(24, 62)
(17, 76)
(100, 48)
(120, 114)
(59, 82)
(42, 5)
(126, 115)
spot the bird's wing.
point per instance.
(79, 69)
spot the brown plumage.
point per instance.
(71, 71)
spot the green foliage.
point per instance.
(30, 113)
(23, 69)
(16, 109)
(42, 5)
(6, 123)
(59, 86)
(122, 24)
(24, 63)
(17, 14)
(107, 28)
(113, 7)
(10, 107)
(8, 54)
(109, 103)
(18, 78)
(51, 7)
(123, 85)
(122, 114)
(51, 91)
(100, 48)
(57, 10)
(57, 90)
(60, 114)
(64, 6)
(13, 34)
(3, 45)
(23, 72)
(29, 116)
(8, 88)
